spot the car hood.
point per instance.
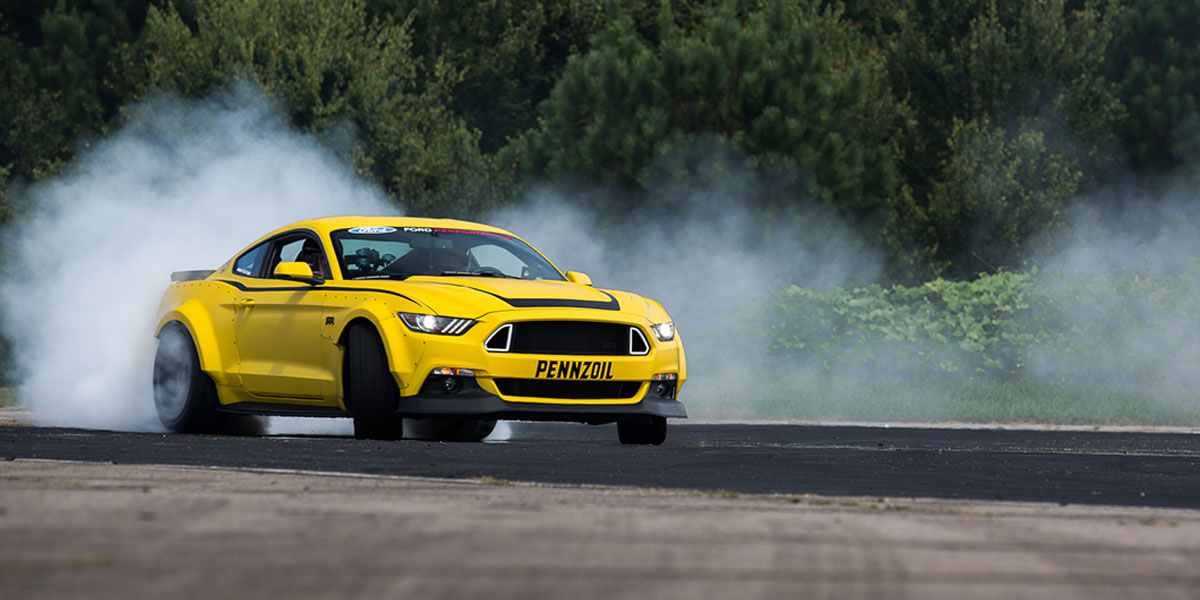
(473, 297)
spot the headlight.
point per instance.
(665, 332)
(436, 324)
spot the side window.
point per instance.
(300, 249)
(250, 263)
(289, 251)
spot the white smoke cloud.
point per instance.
(186, 183)
(183, 185)
(708, 266)
(1128, 278)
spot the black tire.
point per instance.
(652, 433)
(451, 430)
(371, 391)
(184, 396)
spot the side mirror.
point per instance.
(578, 278)
(296, 271)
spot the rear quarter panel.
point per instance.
(206, 308)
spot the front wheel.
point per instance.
(651, 433)
(373, 393)
(184, 397)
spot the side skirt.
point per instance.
(281, 410)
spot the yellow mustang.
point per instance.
(449, 324)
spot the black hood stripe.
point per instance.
(307, 288)
(612, 304)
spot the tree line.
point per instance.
(952, 133)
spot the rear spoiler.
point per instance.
(190, 275)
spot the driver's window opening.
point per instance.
(302, 249)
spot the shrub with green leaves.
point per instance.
(943, 326)
(1112, 327)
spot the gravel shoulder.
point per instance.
(74, 530)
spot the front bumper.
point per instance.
(483, 405)
(534, 386)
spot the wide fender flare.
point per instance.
(199, 322)
(403, 352)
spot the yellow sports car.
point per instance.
(448, 324)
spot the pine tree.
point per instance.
(1155, 58)
(1015, 117)
(328, 62)
(760, 86)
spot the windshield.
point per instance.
(401, 252)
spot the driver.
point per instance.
(450, 260)
(312, 255)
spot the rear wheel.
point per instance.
(643, 433)
(373, 394)
(184, 396)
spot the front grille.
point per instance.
(582, 338)
(573, 390)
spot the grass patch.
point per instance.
(489, 480)
(8, 397)
(822, 398)
(720, 493)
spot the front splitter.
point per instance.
(483, 405)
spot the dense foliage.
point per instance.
(331, 64)
(952, 132)
(1155, 60)
(1107, 328)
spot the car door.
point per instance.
(278, 328)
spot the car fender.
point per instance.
(403, 352)
(208, 328)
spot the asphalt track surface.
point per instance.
(1066, 467)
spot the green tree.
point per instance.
(331, 65)
(761, 86)
(1002, 187)
(508, 52)
(1155, 58)
(64, 71)
(1026, 76)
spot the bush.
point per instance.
(945, 326)
(1110, 328)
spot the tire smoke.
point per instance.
(709, 267)
(184, 184)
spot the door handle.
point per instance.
(245, 303)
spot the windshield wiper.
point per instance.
(383, 276)
(478, 274)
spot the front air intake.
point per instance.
(578, 338)
(500, 340)
(571, 390)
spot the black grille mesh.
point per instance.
(574, 390)
(570, 337)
